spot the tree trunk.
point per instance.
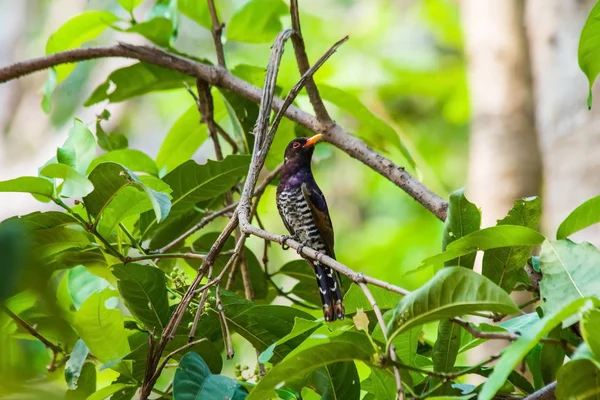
(504, 161)
(569, 134)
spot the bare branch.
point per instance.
(173, 353)
(33, 332)
(303, 66)
(219, 77)
(228, 139)
(545, 393)
(381, 322)
(217, 30)
(206, 108)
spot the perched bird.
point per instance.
(303, 209)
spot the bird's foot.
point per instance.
(284, 240)
(300, 247)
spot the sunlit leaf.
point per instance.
(501, 265)
(74, 184)
(381, 384)
(587, 214)
(76, 31)
(374, 130)
(157, 30)
(130, 5)
(193, 380)
(588, 52)
(197, 11)
(86, 384)
(446, 346)
(355, 298)
(301, 327)
(108, 391)
(79, 149)
(144, 291)
(488, 238)
(463, 218)
(529, 338)
(133, 160)
(136, 80)
(82, 284)
(28, 184)
(54, 240)
(590, 326)
(578, 379)
(257, 22)
(453, 291)
(181, 142)
(101, 328)
(570, 271)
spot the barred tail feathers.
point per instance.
(330, 292)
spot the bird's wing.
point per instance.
(318, 207)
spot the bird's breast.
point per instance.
(295, 209)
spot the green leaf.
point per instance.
(76, 31)
(54, 240)
(381, 384)
(332, 381)
(197, 11)
(136, 80)
(112, 141)
(82, 283)
(257, 22)
(585, 215)
(529, 338)
(86, 385)
(263, 325)
(183, 139)
(129, 201)
(453, 291)
(446, 346)
(578, 379)
(79, 149)
(552, 357)
(108, 391)
(75, 363)
(101, 328)
(144, 291)
(301, 327)
(375, 131)
(463, 218)
(588, 53)
(48, 89)
(570, 271)
(157, 30)
(130, 5)
(109, 178)
(355, 297)
(193, 380)
(501, 265)
(74, 184)
(192, 182)
(133, 160)
(28, 184)
(488, 238)
(590, 326)
(322, 351)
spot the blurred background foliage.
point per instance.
(404, 61)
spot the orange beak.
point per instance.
(313, 140)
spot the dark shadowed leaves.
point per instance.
(144, 290)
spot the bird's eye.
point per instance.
(296, 145)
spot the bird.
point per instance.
(304, 212)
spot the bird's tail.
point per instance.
(330, 291)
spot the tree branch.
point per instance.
(219, 77)
(303, 66)
(217, 30)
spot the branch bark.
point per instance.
(219, 77)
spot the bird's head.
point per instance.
(299, 151)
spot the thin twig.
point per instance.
(303, 66)
(234, 147)
(381, 322)
(206, 108)
(217, 30)
(56, 349)
(189, 256)
(224, 326)
(219, 77)
(173, 353)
